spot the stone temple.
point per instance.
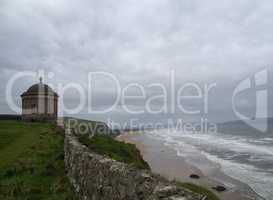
(39, 103)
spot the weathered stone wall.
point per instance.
(96, 177)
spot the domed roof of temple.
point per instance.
(40, 89)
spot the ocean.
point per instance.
(245, 157)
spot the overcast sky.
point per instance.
(204, 42)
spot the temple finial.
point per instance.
(41, 80)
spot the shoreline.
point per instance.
(164, 161)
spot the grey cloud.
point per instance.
(138, 41)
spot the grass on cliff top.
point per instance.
(199, 190)
(32, 162)
(120, 151)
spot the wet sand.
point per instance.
(165, 161)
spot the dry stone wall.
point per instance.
(96, 177)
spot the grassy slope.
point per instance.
(32, 167)
(120, 151)
(31, 162)
(200, 190)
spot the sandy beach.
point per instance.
(167, 163)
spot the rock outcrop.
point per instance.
(96, 177)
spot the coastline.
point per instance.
(164, 161)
